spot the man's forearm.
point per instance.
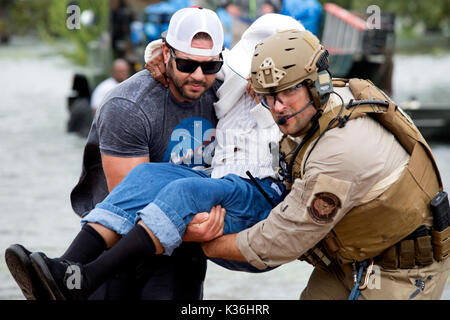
(223, 247)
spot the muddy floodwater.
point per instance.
(40, 163)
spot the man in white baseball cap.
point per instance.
(194, 38)
(188, 22)
(141, 121)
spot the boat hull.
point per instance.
(433, 123)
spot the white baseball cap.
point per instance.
(187, 22)
(240, 57)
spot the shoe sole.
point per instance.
(21, 268)
(46, 277)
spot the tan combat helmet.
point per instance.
(288, 58)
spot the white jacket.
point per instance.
(246, 135)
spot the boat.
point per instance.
(433, 121)
(357, 50)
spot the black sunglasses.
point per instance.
(189, 66)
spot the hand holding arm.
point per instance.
(204, 226)
(208, 228)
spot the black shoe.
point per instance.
(19, 264)
(62, 278)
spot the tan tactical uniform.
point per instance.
(351, 173)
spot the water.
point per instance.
(40, 163)
(422, 76)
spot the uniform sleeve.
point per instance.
(307, 214)
(124, 130)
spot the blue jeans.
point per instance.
(166, 197)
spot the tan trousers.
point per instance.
(383, 284)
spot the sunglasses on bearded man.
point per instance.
(189, 66)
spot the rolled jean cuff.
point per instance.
(166, 227)
(110, 217)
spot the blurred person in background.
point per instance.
(120, 72)
(240, 14)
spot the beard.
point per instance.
(181, 85)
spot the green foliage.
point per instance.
(80, 38)
(27, 16)
(48, 19)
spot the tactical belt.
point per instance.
(418, 249)
(421, 248)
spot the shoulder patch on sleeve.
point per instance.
(324, 207)
(327, 198)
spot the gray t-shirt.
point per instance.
(140, 117)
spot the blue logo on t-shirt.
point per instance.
(190, 143)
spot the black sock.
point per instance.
(125, 253)
(87, 246)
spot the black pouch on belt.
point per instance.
(441, 226)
